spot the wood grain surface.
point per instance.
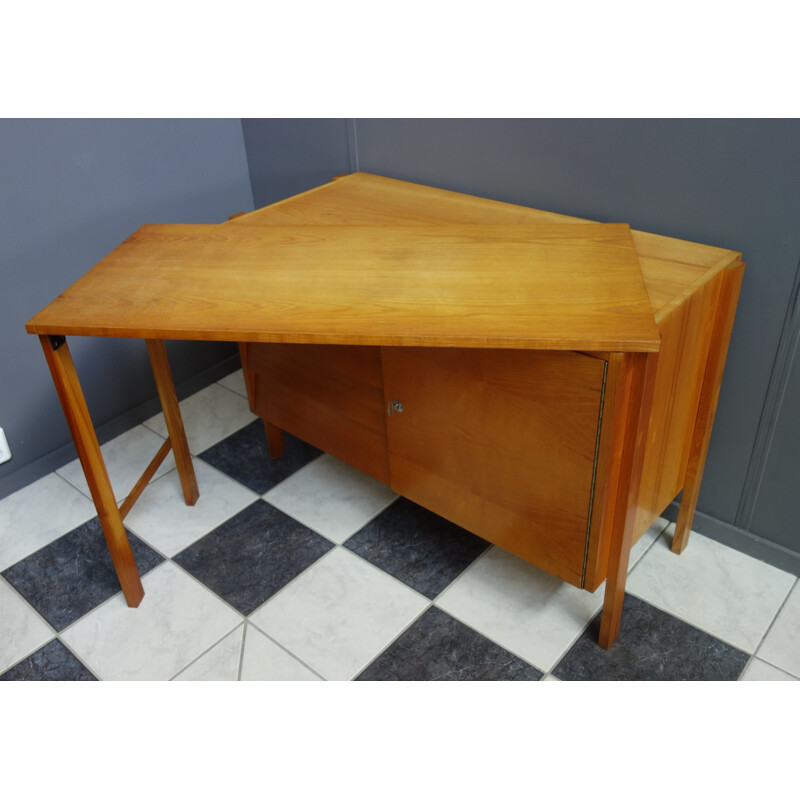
(670, 267)
(500, 442)
(551, 286)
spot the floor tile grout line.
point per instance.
(464, 572)
(160, 414)
(121, 499)
(712, 634)
(75, 655)
(394, 639)
(489, 637)
(296, 577)
(429, 604)
(594, 616)
(202, 535)
(286, 585)
(769, 628)
(209, 589)
(315, 530)
(286, 649)
(444, 592)
(226, 388)
(116, 594)
(53, 632)
(47, 544)
(229, 388)
(27, 602)
(763, 661)
(73, 486)
(566, 650)
(147, 574)
(241, 651)
(298, 471)
(699, 627)
(199, 457)
(206, 651)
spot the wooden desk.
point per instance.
(543, 381)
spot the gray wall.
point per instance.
(288, 156)
(70, 192)
(731, 183)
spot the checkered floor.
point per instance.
(304, 569)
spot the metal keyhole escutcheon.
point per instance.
(395, 407)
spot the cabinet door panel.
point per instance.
(501, 442)
(329, 395)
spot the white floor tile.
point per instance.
(177, 620)
(234, 382)
(339, 614)
(529, 612)
(22, 630)
(126, 458)
(758, 670)
(37, 515)
(162, 518)
(220, 663)
(645, 541)
(713, 587)
(331, 497)
(781, 646)
(551, 678)
(208, 416)
(263, 660)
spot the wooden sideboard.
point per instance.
(546, 382)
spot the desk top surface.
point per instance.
(378, 266)
(530, 286)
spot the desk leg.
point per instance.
(631, 419)
(707, 407)
(172, 416)
(73, 402)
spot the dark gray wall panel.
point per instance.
(71, 191)
(776, 514)
(288, 156)
(732, 183)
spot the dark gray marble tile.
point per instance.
(438, 647)
(253, 555)
(53, 662)
(244, 457)
(418, 547)
(74, 574)
(652, 646)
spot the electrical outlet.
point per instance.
(5, 450)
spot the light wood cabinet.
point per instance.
(525, 448)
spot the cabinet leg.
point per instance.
(631, 419)
(707, 406)
(275, 443)
(73, 402)
(172, 416)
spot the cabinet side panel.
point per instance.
(500, 442)
(685, 337)
(328, 396)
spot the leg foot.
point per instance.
(275, 443)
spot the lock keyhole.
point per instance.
(395, 407)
